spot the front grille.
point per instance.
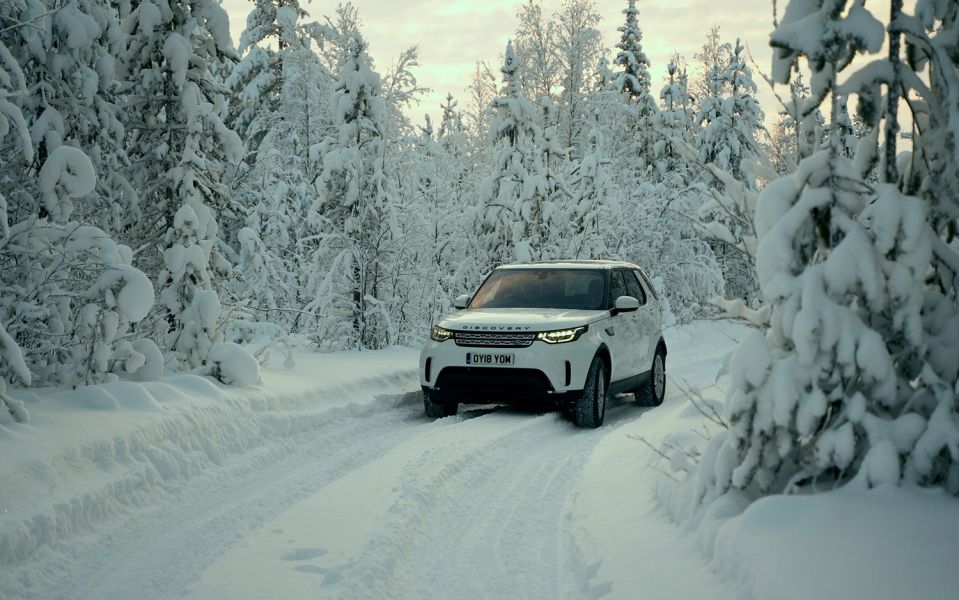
(492, 382)
(493, 339)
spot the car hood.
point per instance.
(519, 319)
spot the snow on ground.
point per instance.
(93, 463)
(327, 481)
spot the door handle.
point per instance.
(610, 331)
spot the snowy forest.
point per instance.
(168, 196)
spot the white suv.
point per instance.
(568, 331)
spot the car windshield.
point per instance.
(542, 288)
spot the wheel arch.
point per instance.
(603, 353)
(661, 345)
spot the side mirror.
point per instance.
(461, 301)
(625, 304)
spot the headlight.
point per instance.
(561, 336)
(440, 334)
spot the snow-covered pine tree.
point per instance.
(673, 123)
(15, 145)
(634, 82)
(712, 55)
(71, 100)
(578, 49)
(511, 223)
(710, 110)
(731, 118)
(728, 145)
(932, 45)
(845, 384)
(272, 32)
(353, 216)
(634, 79)
(441, 262)
(282, 92)
(453, 138)
(69, 294)
(557, 219)
(932, 173)
(798, 133)
(178, 147)
(589, 188)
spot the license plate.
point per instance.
(484, 359)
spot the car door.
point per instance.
(626, 328)
(645, 317)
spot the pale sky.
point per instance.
(453, 35)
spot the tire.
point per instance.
(437, 410)
(590, 408)
(655, 389)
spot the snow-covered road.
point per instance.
(379, 502)
(477, 506)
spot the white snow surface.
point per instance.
(326, 481)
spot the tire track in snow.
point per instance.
(482, 511)
(155, 552)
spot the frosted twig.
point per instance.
(657, 451)
(704, 433)
(705, 408)
(642, 439)
(30, 22)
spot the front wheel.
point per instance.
(436, 409)
(590, 409)
(656, 386)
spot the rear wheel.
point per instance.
(590, 409)
(656, 386)
(435, 409)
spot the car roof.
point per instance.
(570, 264)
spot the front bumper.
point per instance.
(540, 372)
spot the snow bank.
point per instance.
(91, 454)
(888, 542)
(884, 543)
(617, 522)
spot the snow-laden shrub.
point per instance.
(193, 308)
(232, 365)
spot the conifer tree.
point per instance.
(844, 386)
(257, 80)
(69, 295)
(353, 216)
(589, 185)
(511, 225)
(634, 82)
(179, 147)
(281, 95)
(673, 123)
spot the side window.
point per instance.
(617, 287)
(649, 284)
(634, 287)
